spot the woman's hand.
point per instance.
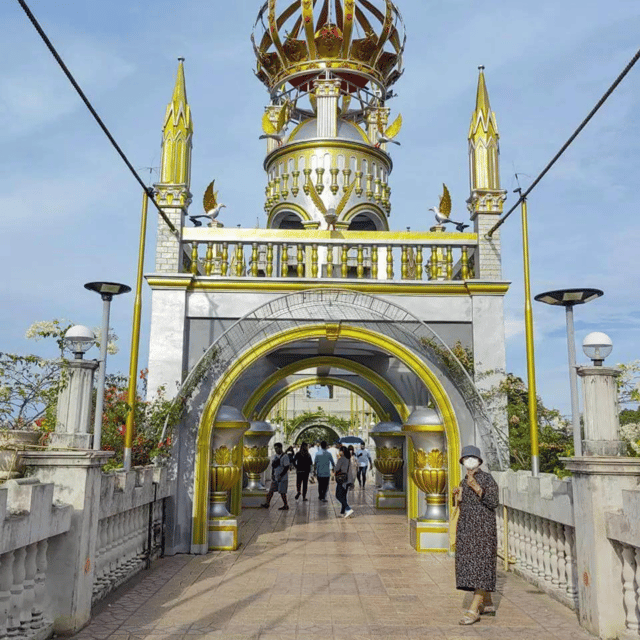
(456, 494)
(473, 483)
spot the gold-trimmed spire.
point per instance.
(484, 148)
(177, 139)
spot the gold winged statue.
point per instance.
(382, 136)
(443, 211)
(211, 207)
(330, 215)
(277, 132)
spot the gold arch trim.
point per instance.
(328, 361)
(291, 208)
(269, 344)
(367, 207)
(336, 382)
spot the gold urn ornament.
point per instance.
(256, 454)
(388, 462)
(430, 476)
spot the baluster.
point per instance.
(110, 568)
(539, 568)
(334, 180)
(374, 262)
(284, 261)
(314, 261)
(377, 192)
(267, 199)
(360, 269)
(17, 590)
(369, 192)
(270, 260)
(6, 580)
(194, 258)
(637, 552)
(285, 185)
(359, 189)
(300, 258)
(562, 560)
(572, 568)
(320, 181)
(405, 262)
(511, 537)
(389, 262)
(499, 530)
(239, 259)
(449, 262)
(330, 261)
(276, 190)
(119, 545)
(628, 590)
(29, 595)
(528, 542)
(520, 539)
(419, 261)
(464, 264)
(433, 265)
(254, 260)
(142, 535)
(553, 551)
(347, 179)
(515, 549)
(129, 553)
(208, 263)
(225, 258)
(307, 181)
(295, 190)
(40, 588)
(546, 550)
(344, 265)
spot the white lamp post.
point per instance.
(597, 346)
(106, 290)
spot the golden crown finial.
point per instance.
(361, 41)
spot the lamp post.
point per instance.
(569, 298)
(106, 290)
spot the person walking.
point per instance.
(476, 535)
(322, 466)
(313, 450)
(302, 462)
(279, 477)
(345, 476)
(364, 460)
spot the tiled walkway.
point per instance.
(306, 574)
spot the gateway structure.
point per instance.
(328, 291)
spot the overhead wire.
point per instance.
(148, 190)
(565, 146)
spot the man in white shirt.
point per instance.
(364, 459)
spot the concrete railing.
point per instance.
(540, 535)
(623, 530)
(130, 525)
(28, 520)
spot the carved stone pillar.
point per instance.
(256, 461)
(226, 471)
(389, 460)
(428, 471)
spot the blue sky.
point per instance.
(71, 209)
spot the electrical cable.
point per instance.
(148, 190)
(576, 133)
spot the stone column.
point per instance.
(73, 418)
(428, 472)
(77, 479)
(327, 94)
(389, 460)
(256, 461)
(598, 484)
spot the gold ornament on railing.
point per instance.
(256, 460)
(222, 455)
(388, 462)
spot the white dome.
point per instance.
(308, 130)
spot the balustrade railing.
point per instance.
(280, 254)
(630, 578)
(541, 550)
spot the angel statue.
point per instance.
(211, 207)
(443, 211)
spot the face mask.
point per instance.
(471, 463)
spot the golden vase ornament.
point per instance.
(256, 453)
(226, 456)
(389, 452)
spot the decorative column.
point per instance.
(428, 476)
(388, 461)
(226, 471)
(73, 418)
(600, 478)
(256, 461)
(327, 93)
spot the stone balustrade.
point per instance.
(540, 542)
(329, 255)
(130, 525)
(623, 529)
(29, 518)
